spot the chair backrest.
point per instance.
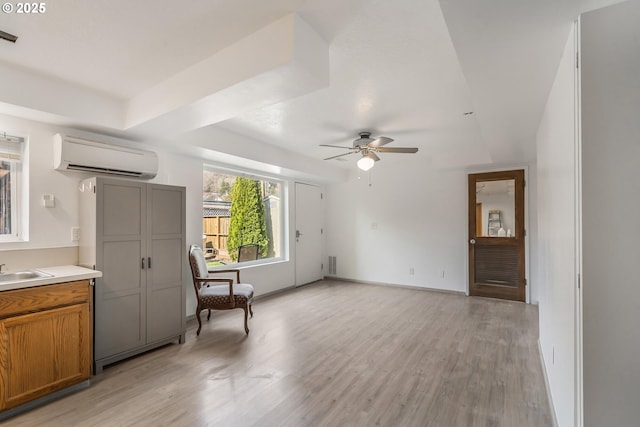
(198, 264)
(247, 253)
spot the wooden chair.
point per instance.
(210, 250)
(214, 296)
(248, 252)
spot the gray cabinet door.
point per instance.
(140, 301)
(166, 230)
(120, 295)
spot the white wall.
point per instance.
(50, 228)
(412, 216)
(610, 66)
(556, 274)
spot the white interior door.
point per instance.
(308, 234)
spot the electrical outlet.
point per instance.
(442, 274)
(411, 271)
(75, 234)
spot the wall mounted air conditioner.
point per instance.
(79, 154)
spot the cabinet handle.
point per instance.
(149, 262)
(143, 263)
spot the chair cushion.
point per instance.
(219, 294)
(198, 262)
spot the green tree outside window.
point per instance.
(247, 224)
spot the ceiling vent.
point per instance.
(83, 155)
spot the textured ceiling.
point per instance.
(406, 69)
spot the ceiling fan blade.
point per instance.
(373, 156)
(397, 150)
(339, 155)
(336, 146)
(380, 141)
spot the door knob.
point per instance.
(298, 234)
(472, 241)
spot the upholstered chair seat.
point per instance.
(219, 294)
(217, 289)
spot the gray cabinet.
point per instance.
(134, 233)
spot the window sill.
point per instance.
(250, 264)
(12, 239)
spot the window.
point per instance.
(242, 217)
(11, 155)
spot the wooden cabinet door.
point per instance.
(43, 352)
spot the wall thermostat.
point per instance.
(48, 200)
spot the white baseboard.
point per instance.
(396, 285)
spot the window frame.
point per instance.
(284, 212)
(18, 170)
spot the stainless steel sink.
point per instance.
(22, 275)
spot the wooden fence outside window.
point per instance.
(216, 233)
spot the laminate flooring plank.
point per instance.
(329, 354)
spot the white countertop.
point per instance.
(59, 274)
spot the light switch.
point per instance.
(75, 234)
(48, 200)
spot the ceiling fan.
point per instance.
(368, 147)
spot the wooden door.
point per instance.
(309, 215)
(497, 235)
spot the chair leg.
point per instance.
(209, 315)
(251, 310)
(246, 312)
(199, 321)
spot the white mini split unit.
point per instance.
(79, 154)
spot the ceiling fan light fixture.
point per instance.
(366, 162)
(368, 147)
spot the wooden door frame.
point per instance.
(525, 293)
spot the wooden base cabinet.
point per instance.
(44, 351)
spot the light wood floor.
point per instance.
(330, 354)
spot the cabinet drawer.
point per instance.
(28, 300)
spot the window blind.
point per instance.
(10, 147)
